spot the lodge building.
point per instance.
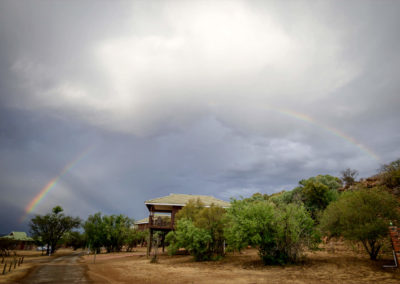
(162, 212)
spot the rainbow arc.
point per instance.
(51, 184)
(335, 131)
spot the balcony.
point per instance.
(160, 222)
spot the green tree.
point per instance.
(281, 232)
(135, 237)
(110, 231)
(362, 215)
(200, 230)
(287, 197)
(95, 232)
(195, 240)
(317, 192)
(74, 239)
(213, 220)
(390, 175)
(190, 211)
(259, 197)
(116, 231)
(51, 227)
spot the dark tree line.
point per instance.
(113, 232)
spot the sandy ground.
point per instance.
(333, 264)
(32, 260)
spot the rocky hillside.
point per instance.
(388, 178)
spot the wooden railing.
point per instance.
(160, 222)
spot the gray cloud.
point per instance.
(225, 99)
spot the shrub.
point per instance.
(281, 232)
(188, 236)
(200, 230)
(362, 215)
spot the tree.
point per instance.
(259, 197)
(74, 239)
(281, 232)
(116, 231)
(195, 240)
(317, 192)
(52, 226)
(134, 237)
(95, 232)
(212, 219)
(349, 176)
(191, 209)
(108, 231)
(200, 230)
(362, 215)
(390, 174)
(287, 197)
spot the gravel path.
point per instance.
(63, 269)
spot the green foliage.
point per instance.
(286, 197)
(94, 230)
(281, 232)
(200, 230)
(212, 219)
(362, 215)
(190, 211)
(195, 240)
(258, 197)
(173, 245)
(108, 231)
(135, 237)
(74, 239)
(317, 192)
(390, 174)
(50, 228)
(116, 230)
(249, 223)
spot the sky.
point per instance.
(106, 104)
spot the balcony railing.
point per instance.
(160, 222)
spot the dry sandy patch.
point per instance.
(341, 266)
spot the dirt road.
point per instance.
(63, 269)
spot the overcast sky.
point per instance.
(137, 100)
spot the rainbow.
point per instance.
(335, 131)
(45, 190)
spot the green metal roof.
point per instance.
(18, 236)
(182, 199)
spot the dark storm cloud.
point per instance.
(226, 99)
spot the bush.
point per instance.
(74, 239)
(315, 193)
(200, 230)
(281, 232)
(363, 216)
(390, 174)
(108, 231)
(134, 237)
(188, 236)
